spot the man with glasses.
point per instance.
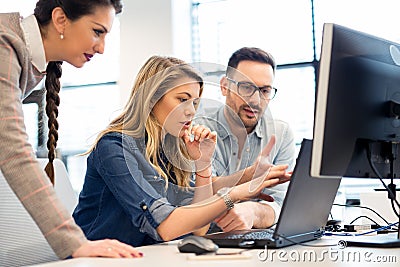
(244, 126)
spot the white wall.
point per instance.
(24, 7)
(147, 28)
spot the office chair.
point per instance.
(21, 241)
(63, 186)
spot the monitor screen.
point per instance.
(357, 106)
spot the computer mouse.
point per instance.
(197, 244)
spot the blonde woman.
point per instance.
(148, 175)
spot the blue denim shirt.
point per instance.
(123, 196)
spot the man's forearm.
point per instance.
(264, 215)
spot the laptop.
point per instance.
(304, 212)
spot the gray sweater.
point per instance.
(18, 77)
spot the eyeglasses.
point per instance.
(247, 89)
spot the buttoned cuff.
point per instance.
(155, 215)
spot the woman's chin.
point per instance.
(77, 64)
(175, 134)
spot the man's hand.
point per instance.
(241, 217)
(246, 215)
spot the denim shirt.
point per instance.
(123, 196)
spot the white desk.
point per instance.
(168, 255)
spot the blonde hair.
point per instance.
(156, 77)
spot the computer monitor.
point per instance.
(358, 84)
(357, 107)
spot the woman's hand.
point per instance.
(200, 143)
(263, 174)
(253, 189)
(263, 166)
(106, 248)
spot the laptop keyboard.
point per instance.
(254, 235)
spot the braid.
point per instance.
(52, 85)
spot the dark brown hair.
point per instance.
(74, 9)
(251, 54)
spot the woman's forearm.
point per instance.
(192, 218)
(231, 180)
(203, 185)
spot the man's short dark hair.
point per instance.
(251, 54)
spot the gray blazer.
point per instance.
(18, 164)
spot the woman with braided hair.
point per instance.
(32, 48)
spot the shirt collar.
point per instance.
(34, 42)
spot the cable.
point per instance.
(394, 208)
(242, 237)
(392, 196)
(377, 230)
(337, 234)
(363, 216)
(363, 207)
(306, 245)
(360, 234)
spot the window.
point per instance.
(378, 18)
(225, 26)
(291, 30)
(285, 28)
(84, 111)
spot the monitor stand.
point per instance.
(377, 242)
(382, 241)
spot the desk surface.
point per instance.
(168, 255)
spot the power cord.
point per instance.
(360, 234)
(364, 216)
(307, 245)
(363, 207)
(392, 187)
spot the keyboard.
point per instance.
(265, 234)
